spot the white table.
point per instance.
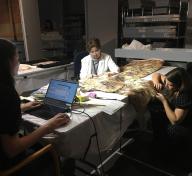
(38, 77)
(72, 140)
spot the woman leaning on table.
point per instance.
(171, 113)
(12, 146)
(97, 62)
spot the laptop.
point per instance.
(58, 99)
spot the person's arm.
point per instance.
(13, 145)
(29, 105)
(174, 116)
(112, 66)
(84, 68)
(158, 79)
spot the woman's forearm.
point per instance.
(156, 78)
(22, 106)
(169, 112)
(13, 145)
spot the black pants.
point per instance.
(163, 130)
(171, 142)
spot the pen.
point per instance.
(102, 98)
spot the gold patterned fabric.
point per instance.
(128, 82)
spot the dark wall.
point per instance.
(52, 10)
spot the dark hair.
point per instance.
(180, 79)
(7, 53)
(93, 43)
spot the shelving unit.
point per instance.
(167, 54)
(162, 25)
(73, 31)
(178, 57)
(53, 48)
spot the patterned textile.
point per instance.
(128, 81)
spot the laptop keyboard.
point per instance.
(45, 112)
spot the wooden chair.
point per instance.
(46, 149)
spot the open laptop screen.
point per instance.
(62, 90)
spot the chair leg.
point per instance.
(56, 162)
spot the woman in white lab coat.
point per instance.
(97, 62)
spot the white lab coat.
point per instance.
(106, 63)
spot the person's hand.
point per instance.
(30, 105)
(161, 97)
(158, 86)
(93, 76)
(57, 121)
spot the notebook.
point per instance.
(59, 98)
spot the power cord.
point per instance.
(97, 141)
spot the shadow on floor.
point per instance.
(142, 158)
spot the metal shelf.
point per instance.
(148, 25)
(153, 18)
(167, 54)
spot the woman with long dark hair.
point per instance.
(172, 115)
(12, 146)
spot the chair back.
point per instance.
(77, 62)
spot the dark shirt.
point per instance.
(183, 101)
(10, 116)
(163, 130)
(77, 62)
(94, 66)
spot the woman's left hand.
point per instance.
(30, 105)
(161, 97)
